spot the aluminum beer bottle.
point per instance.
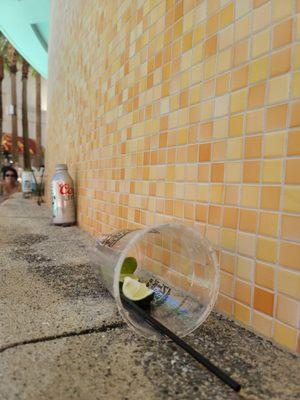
(26, 183)
(62, 192)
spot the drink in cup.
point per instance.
(170, 265)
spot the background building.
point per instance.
(31, 105)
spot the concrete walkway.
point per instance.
(61, 336)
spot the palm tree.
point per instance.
(26, 154)
(1, 107)
(38, 120)
(3, 46)
(12, 66)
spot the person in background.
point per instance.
(9, 184)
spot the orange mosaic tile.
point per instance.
(231, 195)
(290, 255)
(224, 304)
(276, 117)
(256, 95)
(292, 171)
(230, 217)
(295, 116)
(263, 301)
(290, 227)
(239, 78)
(241, 53)
(265, 275)
(251, 171)
(282, 34)
(294, 143)
(217, 172)
(280, 62)
(242, 292)
(236, 125)
(253, 147)
(270, 197)
(192, 113)
(242, 313)
(248, 220)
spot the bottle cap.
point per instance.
(61, 166)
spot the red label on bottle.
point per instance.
(65, 189)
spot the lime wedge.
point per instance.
(132, 276)
(135, 290)
(129, 266)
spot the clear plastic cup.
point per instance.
(173, 260)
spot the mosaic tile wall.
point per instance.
(189, 110)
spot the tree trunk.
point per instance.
(38, 121)
(1, 109)
(12, 56)
(27, 164)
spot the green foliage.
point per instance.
(4, 44)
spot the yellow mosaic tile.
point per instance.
(272, 171)
(255, 121)
(217, 193)
(261, 17)
(245, 267)
(289, 283)
(287, 310)
(296, 85)
(259, 70)
(246, 244)
(242, 8)
(242, 313)
(274, 145)
(260, 43)
(228, 239)
(227, 15)
(250, 196)
(234, 149)
(268, 224)
(291, 199)
(262, 324)
(238, 101)
(281, 9)
(242, 28)
(285, 335)
(233, 172)
(226, 38)
(278, 89)
(224, 60)
(267, 249)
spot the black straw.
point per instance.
(195, 354)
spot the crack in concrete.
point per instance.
(105, 328)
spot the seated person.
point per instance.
(9, 184)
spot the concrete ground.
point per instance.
(62, 338)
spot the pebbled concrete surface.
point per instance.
(61, 336)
